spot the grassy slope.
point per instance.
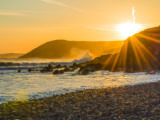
(72, 49)
(10, 55)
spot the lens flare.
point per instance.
(129, 29)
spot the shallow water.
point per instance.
(21, 86)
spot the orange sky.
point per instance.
(25, 24)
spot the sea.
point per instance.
(26, 85)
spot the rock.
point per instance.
(84, 72)
(59, 113)
(151, 72)
(75, 66)
(90, 68)
(67, 69)
(20, 71)
(33, 70)
(58, 72)
(59, 66)
(29, 70)
(49, 68)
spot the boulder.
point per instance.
(59, 66)
(20, 70)
(33, 70)
(49, 68)
(75, 66)
(58, 72)
(67, 69)
(84, 72)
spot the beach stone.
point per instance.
(49, 68)
(59, 66)
(33, 70)
(59, 113)
(67, 69)
(20, 71)
(84, 72)
(58, 72)
(89, 68)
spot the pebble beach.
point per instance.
(121, 103)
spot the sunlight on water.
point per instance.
(20, 86)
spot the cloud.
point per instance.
(11, 13)
(61, 4)
(55, 3)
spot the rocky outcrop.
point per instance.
(140, 52)
(89, 68)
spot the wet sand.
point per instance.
(129, 102)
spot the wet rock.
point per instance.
(58, 72)
(90, 68)
(33, 70)
(59, 66)
(20, 71)
(67, 69)
(75, 66)
(84, 72)
(151, 72)
(49, 68)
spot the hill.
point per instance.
(10, 55)
(140, 52)
(72, 49)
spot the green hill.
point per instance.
(10, 55)
(72, 49)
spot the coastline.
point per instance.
(140, 101)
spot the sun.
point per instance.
(128, 29)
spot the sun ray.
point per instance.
(146, 50)
(148, 37)
(115, 62)
(107, 61)
(125, 56)
(136, 52)
(141, 53)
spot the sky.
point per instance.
(26, 24)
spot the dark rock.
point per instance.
(58, 72)
(67, 69)
(84, 72)
(49, 68)
(20, 71)
(75, 66)
(33, 70)
(89, 68)
(59, 66)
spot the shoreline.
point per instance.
(128, 102)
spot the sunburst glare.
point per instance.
(128, 29)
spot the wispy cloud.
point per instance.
(61, 4)
(55, 3)
(11, 13)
